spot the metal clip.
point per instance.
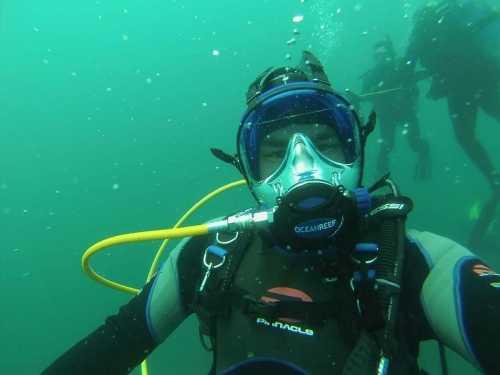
(213, 250)
(354, 290)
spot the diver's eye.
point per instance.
(332, 149)
(328, 143)
(273, 154)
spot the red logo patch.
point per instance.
(481, 270)
(285, 294)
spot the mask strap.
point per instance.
(226, 158)
(368, 128)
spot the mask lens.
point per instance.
(275, 145)
(324, 118)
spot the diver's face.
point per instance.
(274, 147)
(381, 58)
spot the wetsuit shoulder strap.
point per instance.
(377, 281)
(391, 215)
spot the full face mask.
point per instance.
(305, 134)
(301, 152)
(300, 148)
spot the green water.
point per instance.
(108, 113)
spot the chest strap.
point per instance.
(313, 313)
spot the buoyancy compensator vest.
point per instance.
(344, 302)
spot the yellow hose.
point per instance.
(165, 234)
(186, 216)
(196, 230)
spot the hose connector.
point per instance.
(242, 222)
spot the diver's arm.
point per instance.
(408, 62)
(128, 337)
(461, 301)
(116, 347)
(168, 304)
(413, 50)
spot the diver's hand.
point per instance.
(483, 222)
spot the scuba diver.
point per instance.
(458, 43)
(321, 277)
(395, 105)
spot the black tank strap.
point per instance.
(237, 251)
(363, 356)
(377, 279)
(391, 216)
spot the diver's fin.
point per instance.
(311, 65)
(475, 211)
(483, 222)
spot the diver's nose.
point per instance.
(302, 159)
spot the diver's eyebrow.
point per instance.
(276, 142)
(320, 128)
(327, 137)
(277, 138)
(324, 132)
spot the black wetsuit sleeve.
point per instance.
(408, 63)
(413, 49)
(114, 348)
(417, 326)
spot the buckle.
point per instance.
(217, 253)
(246, 302)
(251, 306)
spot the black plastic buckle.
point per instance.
(251, 306)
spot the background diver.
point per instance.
(334, 284)
(395, 103)
(458, 43)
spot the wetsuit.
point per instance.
(393, 109)
(458, 43)
(448, 294)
